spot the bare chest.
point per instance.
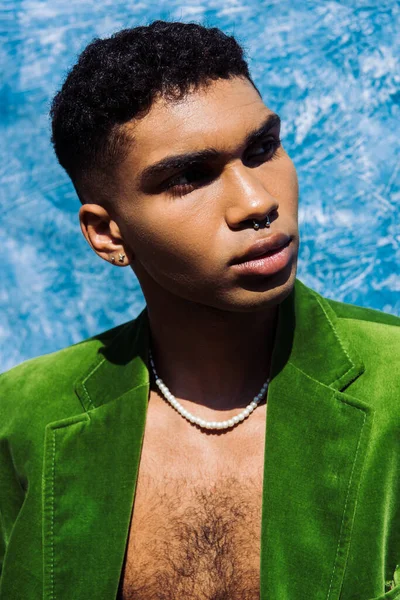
(195, 531)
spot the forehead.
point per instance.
(218, 115)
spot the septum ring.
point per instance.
(256, 224)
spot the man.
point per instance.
(141, 463)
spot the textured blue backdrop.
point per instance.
(331, 70)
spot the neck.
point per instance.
(211, 357)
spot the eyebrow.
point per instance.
(182, 161)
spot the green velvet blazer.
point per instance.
(71, 430)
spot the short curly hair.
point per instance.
(116, 79)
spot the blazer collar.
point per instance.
(307, 336)
(315, 443)
(119, 366)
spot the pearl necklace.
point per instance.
(201, 422)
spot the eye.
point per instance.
(267, 149)
(195, 176)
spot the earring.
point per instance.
(113, 259)
(121, 257)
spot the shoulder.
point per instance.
(372, 335)
(362, 314)
(351, 317)
(61, 365)
(43, 388)
(369, 336)
(367, 327)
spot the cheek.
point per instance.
(171, 242)
(292, 179)
(180, 259)
(285, 187)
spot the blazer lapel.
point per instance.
(316, 437)
(90, 470)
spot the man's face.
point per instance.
(185, 225)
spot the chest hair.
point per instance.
(194, 540)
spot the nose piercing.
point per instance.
(256, 224)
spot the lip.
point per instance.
(261, 247)
(265, 257)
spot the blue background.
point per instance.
(330, 70)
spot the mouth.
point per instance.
(265, 257)
(263, 247)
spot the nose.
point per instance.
(247, 198)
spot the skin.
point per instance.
(218, 326)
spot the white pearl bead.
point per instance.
(201, 422)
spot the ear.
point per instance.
(103, 234)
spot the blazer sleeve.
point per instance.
(11, 495)
(12, 491)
